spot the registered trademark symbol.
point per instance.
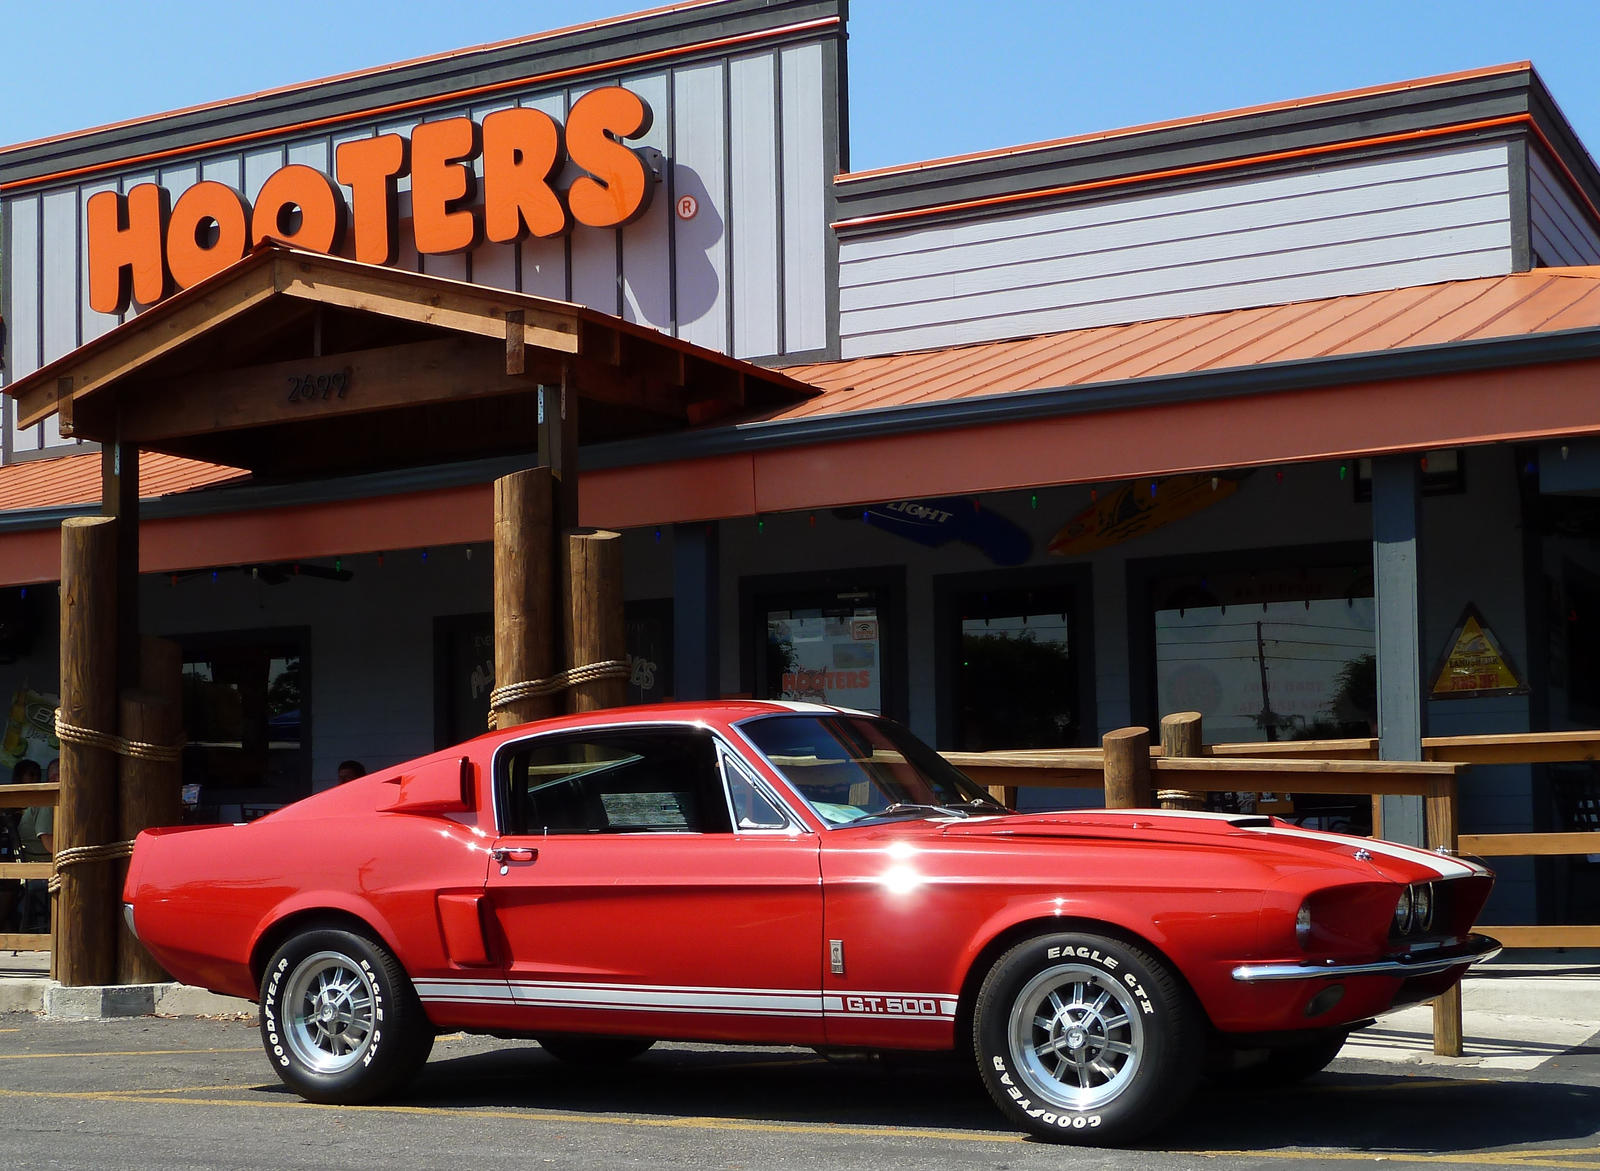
(688, 207)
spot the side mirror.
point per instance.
(440, 786)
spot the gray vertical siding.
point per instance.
(1561, 230)
(647, 242)
(805, 226)
(700, 169)
(753, 226)
(22, 326)
(1326, 231)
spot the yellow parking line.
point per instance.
(189, 1089)
(121, 1053)
(1561, 1158)
(1467, 1158)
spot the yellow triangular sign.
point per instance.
(1475, 663)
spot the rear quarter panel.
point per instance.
(204, 898)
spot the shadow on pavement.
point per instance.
(1382, 1113)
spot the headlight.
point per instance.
(1403, 913)
(1422, 906)
(1302, 924)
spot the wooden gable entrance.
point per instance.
(293, 365)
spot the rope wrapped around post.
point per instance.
(588, 673)
(118, 744)
(77, 855)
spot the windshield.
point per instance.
(856, 769)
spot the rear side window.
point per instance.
(655, 780)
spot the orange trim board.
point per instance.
(451, 97)
(1194, 120)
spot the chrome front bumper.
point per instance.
(1474, 950)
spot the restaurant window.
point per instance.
(826, 639)
(245, 707)
(1271, 654)
(1014, 667)
(1274, 654)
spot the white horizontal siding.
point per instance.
(1560, 232)
(1325, 232)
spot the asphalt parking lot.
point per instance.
(196, 1092)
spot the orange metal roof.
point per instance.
(1540, 301)
(75, 479)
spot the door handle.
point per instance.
(503, 854)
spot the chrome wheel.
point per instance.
(1076, 1035)
(330, 1011)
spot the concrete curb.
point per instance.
(99, 1002)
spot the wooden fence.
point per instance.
(19, 797)
(1348, 767)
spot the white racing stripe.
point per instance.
(1443, 865)
(762, 1002)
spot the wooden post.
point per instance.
(1180, 736)
(1440, 814)
(86, 906)
(594, 628)
(149, 790)
(1127, 756)
(525, 626)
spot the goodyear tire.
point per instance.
(594, 1052)
(340, 1020)
(1086, 1039)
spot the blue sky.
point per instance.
(927, 77)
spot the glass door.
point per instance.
(1017, 669)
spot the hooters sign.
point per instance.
(143, 247)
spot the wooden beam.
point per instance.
(516, 348)
(460, 310)
(1530, 844)
(1514, 747)
(1578, 935)
(119, 497)
(141, 345)
(301, 389)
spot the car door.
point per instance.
(629, 901)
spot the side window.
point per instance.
(652, 780)
(752, 808)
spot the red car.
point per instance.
(792, 874)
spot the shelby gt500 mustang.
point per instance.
(791, 874)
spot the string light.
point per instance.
(338, 564)
(1033, 501)
(1214, 483)
(658, 536)
(172, 579)
(812, 519)
(380, 559)
(1424, 462)
(1152, 489)
(469, 552)
(1344, 470)
(1094, 494)
(761, 525)
(424, 556)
